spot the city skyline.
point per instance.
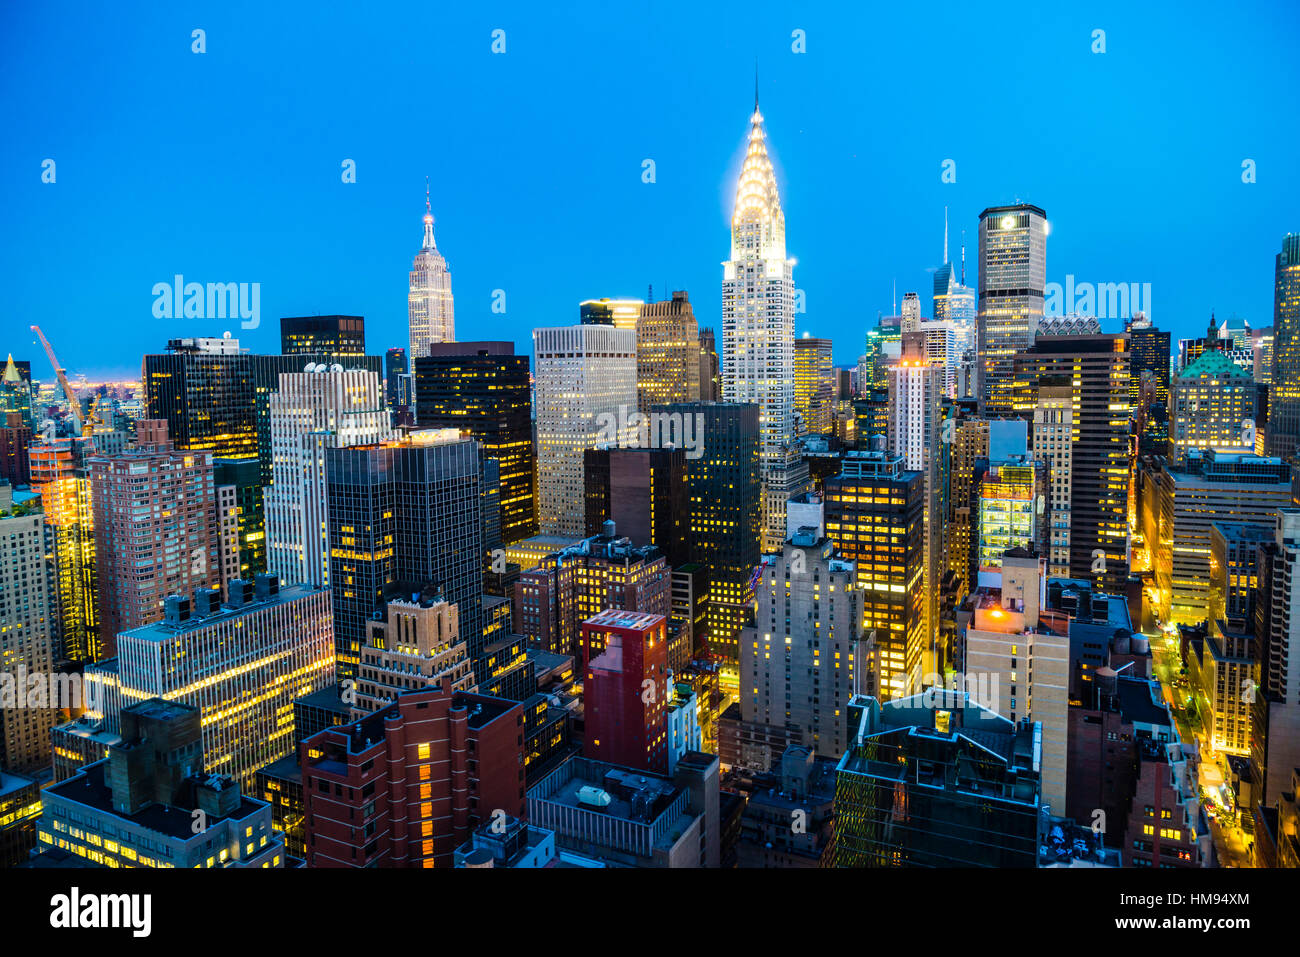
(484, 157)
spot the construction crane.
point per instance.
(74, 406)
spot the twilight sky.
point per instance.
(226, 166)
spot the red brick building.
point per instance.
(625, 694)
(159, 529)
(406, 786)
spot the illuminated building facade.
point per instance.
(725, 491)
(710, 375)
(573, 584)
(404, 515)
(667, 352)
(1097, 367)
(586, 377)
(1007, 508)
(60, 475)
(430, 310)
(798, 660)
(484, 390)
(309, 412)
(758, 306)
(644, 493)
(916, 424)
(204, 389)
(970, 443)
(1209, 487)
(1275, 718)
(814, 385)
(1052, 439)
(1013, 273)
(874, 510)
(160, 529)
(417, 644)
(242, 664)
(330, 335)
(139, 806)
(1213, 406)
(27, 652)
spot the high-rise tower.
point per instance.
(429, 305)
(758, 328)
(1013, 272)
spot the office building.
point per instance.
(1208, 488)
(798, 660)
(710, 375)
(263, 648)
(874, 510)
(331, 335)
(1275, 719)
(967, 777)
(725, 491)
(27, 649)
(814, 385)
(403, 515)
(204, 389)
(758, 306)
(416, 644)
(573, 584)
(644, 493)
(1097, 367)
(310, 412)
(1012, 276)
(151, 804)
(1053, 445)
(483, 389)
(667, 352)
(585, 391)
(1213, 406)
(430, 309)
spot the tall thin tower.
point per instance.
(758, 328)
(429, 304)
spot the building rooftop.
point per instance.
(90, 789)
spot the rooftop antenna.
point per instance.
(963, 257)
(755, 84)
(895, 301)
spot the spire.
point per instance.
(963, 257)
(755, 84)
(945, 235)
(428, 218)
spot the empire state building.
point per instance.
(758, 329)
(429, 304)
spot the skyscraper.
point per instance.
(26, 641)
(710, 377)
(1212, 406)
(404, 515)
(204, 389)
(814, 385)
(1013, 273)
(726, 511)
(874, 511)
(332, 335)
(483, 389)
(586, 378)
(1097, 366)
(1284, 400)
(310, 412)
(667, 352)
(430, 309)
(159, 529)
(758, 301)
(916, 433)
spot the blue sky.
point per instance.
(225, 166)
